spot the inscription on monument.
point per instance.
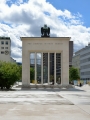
(45, 43)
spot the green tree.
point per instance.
(73, 74)
(9, 74)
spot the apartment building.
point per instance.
(85, 63)
(5, 49)
(81, 60)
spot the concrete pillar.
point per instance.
(25, 68)
(54, 68)
(48, 68)
(65, 67)
(42, 68)
(35, 68)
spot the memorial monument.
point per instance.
(48, 45)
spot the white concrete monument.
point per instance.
(45, 45)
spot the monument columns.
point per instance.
(65, 67)
(25, 68)
(50, 45)
(35, 67)
(42, 68)
(54, 68)
(48, 67)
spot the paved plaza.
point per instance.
(45, 104)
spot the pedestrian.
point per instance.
(80, 84)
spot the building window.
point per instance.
(2, 52)
(6, 42)
(6, 47)
(2, 47)
(88, 59)
(2, 42)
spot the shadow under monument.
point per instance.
(49, 89)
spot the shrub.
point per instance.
(73, 74)
(32, 73)
(9, 74)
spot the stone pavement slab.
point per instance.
(79, 98)
(33, 98)
(85, 108)
(42, 112)
(44, 105)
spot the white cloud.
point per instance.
(25, 19)
(2, 1)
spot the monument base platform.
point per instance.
(47, 86)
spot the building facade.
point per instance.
(81, 60)
(70, 53)
(5, 49)
(85, 63)
(56, 45)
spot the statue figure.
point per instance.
(45, 31)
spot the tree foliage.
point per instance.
(32, 74)
(9, 74)
(51, 78)
(73, 74)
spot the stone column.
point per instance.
(35, 68)
(25, 68)
(65, 67)
(48, 68)
(54, 68)
(42, 68)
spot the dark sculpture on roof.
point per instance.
(45, 31)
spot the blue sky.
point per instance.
(66, 18)
(75, 6)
